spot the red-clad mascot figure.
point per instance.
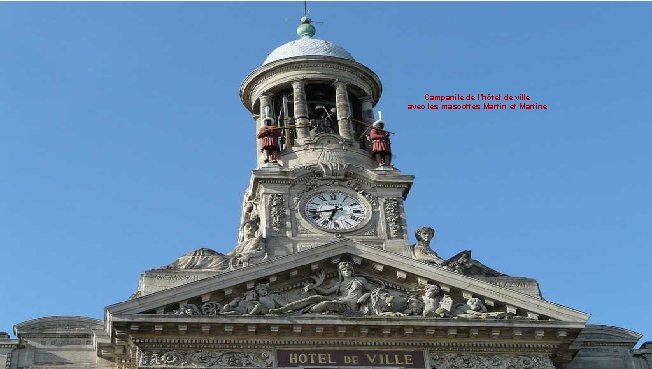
(380, 146)
(270, 135)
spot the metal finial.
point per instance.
(306, 29)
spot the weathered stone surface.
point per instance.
(205, 359)
(604, 347)
(156, 280)
(59, 342)
(526, 285)
(7, 347)
(480, 361)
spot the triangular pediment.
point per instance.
(402, 280)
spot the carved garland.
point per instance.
(277, 212)
(206, 359)
(393, 217)
(470, 361)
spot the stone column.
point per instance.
(265, 100)
(367, 109)
(300, 110)
(343, 110)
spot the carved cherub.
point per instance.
(475, 309)
(240, 305)
(422, 250)
(432, 298)
(267, 300)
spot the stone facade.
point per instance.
(323, 275)
(57, 343)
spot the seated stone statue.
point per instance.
(422, 250)
(253, 246)
(475, 309)
(344, 297)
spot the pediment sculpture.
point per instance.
(351, 294)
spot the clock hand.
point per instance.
(334, 211)
(322, 211)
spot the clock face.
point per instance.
(335, 210)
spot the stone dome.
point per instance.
(306, 46)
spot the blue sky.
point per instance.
(123, 142)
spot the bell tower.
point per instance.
(318, 176)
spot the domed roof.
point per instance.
(307, 46)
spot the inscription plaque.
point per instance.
(295, 358)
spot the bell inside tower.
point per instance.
(322, 108)
(322, 113)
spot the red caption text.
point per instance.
(478, 101)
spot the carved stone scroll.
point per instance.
(206, 359)
(471, 361)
